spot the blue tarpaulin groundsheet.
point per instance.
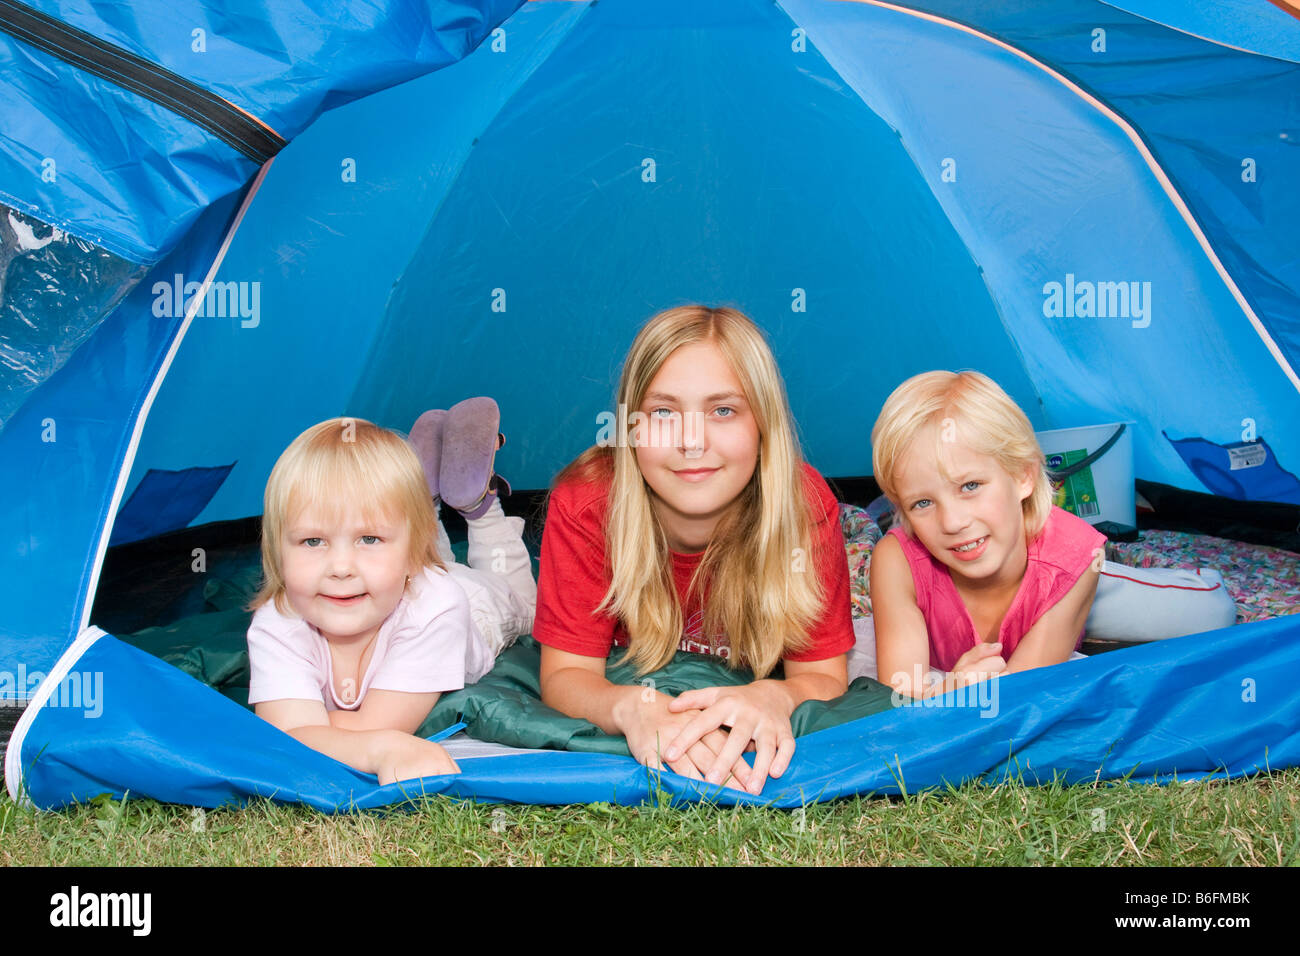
(1222, 703)
(386, 207)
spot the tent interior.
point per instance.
(513, 246)
(885, 190)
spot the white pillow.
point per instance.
(1151, 604)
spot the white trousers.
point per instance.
(498, 579)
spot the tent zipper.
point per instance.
(234, 127)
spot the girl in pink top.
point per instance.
(983, 576)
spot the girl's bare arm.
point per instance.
(902, 640)
(1052, 638)
(389, 754)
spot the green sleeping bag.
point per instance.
(505, 706)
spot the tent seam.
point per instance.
(141, 412)
(1170, 26)
(460, 169)
(1147, 154)
(111, 245)
(1012, 340)
(157, 72)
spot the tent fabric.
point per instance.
(481, 230)
(57, 288)
(1241, 470)
(1250, 113)
(1223, 703)
(132, 175)
(1092, 202)
(1245, 24)
(164, 501)
(64, 447)
(61, 452)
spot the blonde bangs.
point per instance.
(340, 464)
(983, 416)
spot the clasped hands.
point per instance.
(687, 733)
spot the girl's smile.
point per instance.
(702, 443)
(971, 520)
(698, 474)
(345, 575)
(971, 549)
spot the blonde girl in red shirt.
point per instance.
(696, 526)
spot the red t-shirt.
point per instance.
(1057, 559)
(573, 578)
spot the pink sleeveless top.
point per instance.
(1057, 558)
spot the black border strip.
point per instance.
(219, 117)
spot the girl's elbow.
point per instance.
(836, 683)
(553, 684)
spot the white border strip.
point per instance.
(1200, 36)
(13, 756)
(128, 460)
(1150, 160)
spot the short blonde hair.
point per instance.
(336, 463)
(989, 422)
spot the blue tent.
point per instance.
(224, 222)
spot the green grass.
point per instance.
(1252, 822)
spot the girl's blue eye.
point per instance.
(920, 503)
(728, 409)
(971, 485)
(370, 538)
(656, 412)
(312, 542)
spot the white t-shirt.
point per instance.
(428, 644)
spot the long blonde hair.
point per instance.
(339, 461)
(988, 421)
(758, 571)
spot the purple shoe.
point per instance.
(470, 439)
(426, 439)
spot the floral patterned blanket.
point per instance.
(1264, 582)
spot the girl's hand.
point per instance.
(575, 684)
(758, 716)
(980, 662)
(404, 757)
(652, 724)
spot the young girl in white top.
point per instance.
(364, 619)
